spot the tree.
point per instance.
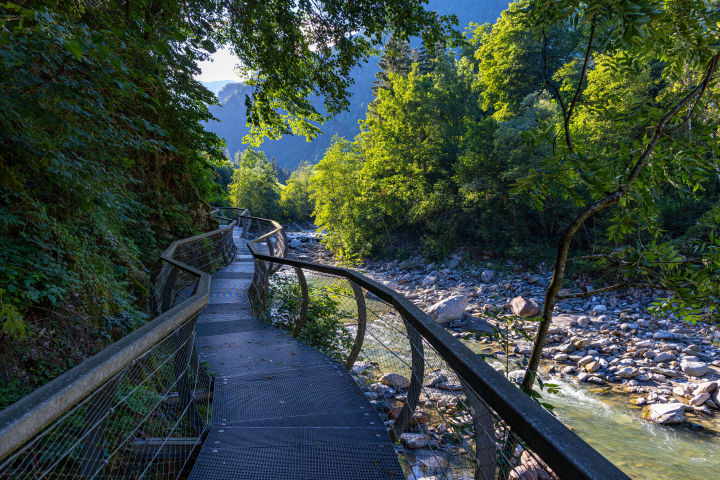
(510, 59)
(673, 143)
(295, 198)
(336, 189)
(254, 186)
(224, 175)
(290, 50)
(396, 59)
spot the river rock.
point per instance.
(433, 463)
(644, 343)
(359, 368)
(566, 348)
(295, 243)
(419, 417)
(428, 281)
(560, 357)
(665, 371)
(487, 276)
(453, 263)
(702, 409)
(597, 309)
(583, 377)
(436, 377)
(696, 369)
(395, 380)
(664, 413)
(568, 370)
(705, 387)
(524, 307)
(663, 357)
(585, 360)
(414, 440)
(699, 399)
(583, 320)
(449, 309)
(663, 335)
(626, 372)
(593, 366)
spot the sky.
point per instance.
(220, 68)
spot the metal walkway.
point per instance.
(280, 410)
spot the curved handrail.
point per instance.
(566, 453)
(25, 418)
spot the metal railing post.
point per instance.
(484, 427)
(362, 324)
(166, 299)
(305, 302)
(416, 380)
(92, 453)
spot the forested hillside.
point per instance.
(290, 150)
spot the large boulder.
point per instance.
(524, 307)
(449, 309)
(696, 369)
(664, 412)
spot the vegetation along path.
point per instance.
(280, 409)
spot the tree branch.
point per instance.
(611, 288)
(568, 140)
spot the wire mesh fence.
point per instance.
(172, 282)
(143, 423)
(149, 418)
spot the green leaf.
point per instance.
(74, 48)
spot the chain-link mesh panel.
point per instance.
(145, 422)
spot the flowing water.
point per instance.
(643, 450)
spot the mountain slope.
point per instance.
(290, 150)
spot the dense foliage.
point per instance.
(584, 127)
(104, 158)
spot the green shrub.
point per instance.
(324, 328)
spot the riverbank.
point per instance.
(608, 340)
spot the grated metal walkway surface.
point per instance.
(280, 410)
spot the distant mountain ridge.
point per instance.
(290, 150)
(217, 85)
